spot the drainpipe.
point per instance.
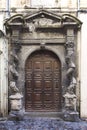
(8, 8)
(78, 6)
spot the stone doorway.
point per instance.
(42, 76)
(42, 82)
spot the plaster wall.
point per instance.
(83, 4)
(3, 70)
(43, 3)
(83, 89)
(46, 3)
(1, 21)
(3, 77)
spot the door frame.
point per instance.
(60, 68)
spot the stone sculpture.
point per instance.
(70, 97)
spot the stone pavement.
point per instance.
(39, 123)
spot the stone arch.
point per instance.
(55, 51)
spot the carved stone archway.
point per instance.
(44, 29)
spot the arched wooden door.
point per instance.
(42, 82)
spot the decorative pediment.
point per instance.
(15, 20)
(67, 18)
(43, 19)
(41, 14)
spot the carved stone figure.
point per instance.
(14, 56)
(15, 102)
(31, 27)
(13, 87)
(13, 71)
(70, 101)
(70, 97)
(70, 48)
(71, 87)
(71, 68)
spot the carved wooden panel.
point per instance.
(43, 82)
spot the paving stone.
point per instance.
(42, 124)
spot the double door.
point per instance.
(43, 82)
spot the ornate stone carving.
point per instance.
(70, 101)
(14, 60)
(14, 55)
(70, 97)
(17, 47)
(42, 45)
(31, 27)
(14, 71)
(69, 48)
(13, 87)
(15, 96)
(15, 102)
(43, 22)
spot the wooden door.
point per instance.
(43, 82)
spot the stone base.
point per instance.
(16, 115)
(71, 116)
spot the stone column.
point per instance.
(15, 94)
(70, 96)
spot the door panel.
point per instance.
(38, 85)
(48, 85)
(37, 65)
(43, 82)
(47, 66)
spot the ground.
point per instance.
(40, 123)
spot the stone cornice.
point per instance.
(58, 21)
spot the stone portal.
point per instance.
(42, 58)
